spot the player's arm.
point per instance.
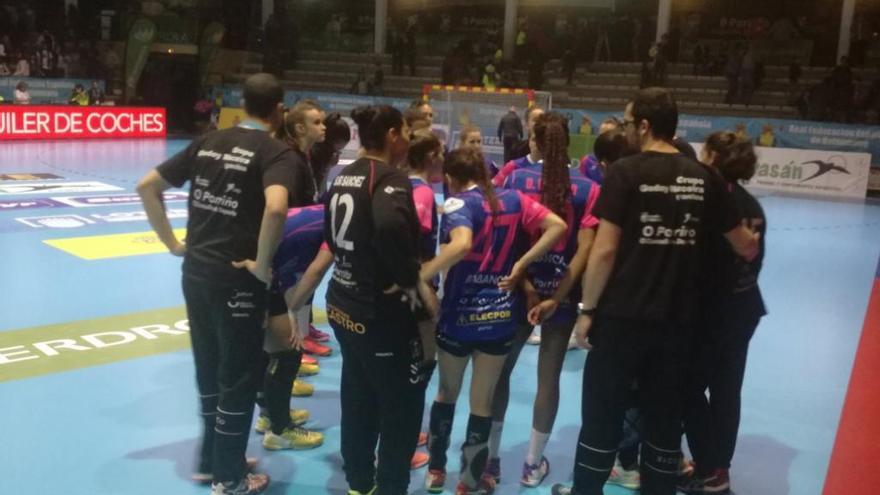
(553, 228)
(297, 296)
(601, 262)
(271, 231)
(459, 245)
(150, 189)
(744, 241)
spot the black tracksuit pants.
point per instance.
(382, 394)
(655, 354)
(712, 424)
(226, 328)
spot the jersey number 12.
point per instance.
(347, 202)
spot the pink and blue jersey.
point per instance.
(473, 307)
(511, 166)
(303, 238)
(591, 169)
(426, 210)
(547, 272)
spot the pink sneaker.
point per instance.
(317, 335)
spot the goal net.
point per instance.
(458, 106)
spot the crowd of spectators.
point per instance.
(34, 43)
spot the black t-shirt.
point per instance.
(735, 284)
(228, 171)
(373, 231)
(306, 181)
(667, 206)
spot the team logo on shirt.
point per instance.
(453, 204)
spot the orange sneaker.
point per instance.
(315, 348)
(419, 460)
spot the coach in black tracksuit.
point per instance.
(658, 209)
(372, 229)
(242, 181)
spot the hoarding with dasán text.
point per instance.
(22, 122)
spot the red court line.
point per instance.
(855, 460)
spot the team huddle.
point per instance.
(644, 255)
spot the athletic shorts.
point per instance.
(277, 306)
(464, 349)
(281, 343)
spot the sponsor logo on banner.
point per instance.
(28, 177)
(56, 187)
(25, 205)
(114, 199)
(48, 122)
(811, 172)
(56, 222)
(76, 221)
(821, 173)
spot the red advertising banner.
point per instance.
(63, 122)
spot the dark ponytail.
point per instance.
(734, 155)
(551, 136)
(373, 122)
(466, 165)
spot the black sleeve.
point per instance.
(176, 170)
(279, 169)
(723, 213)
(614, 198)
(395, 229)
(519, 128)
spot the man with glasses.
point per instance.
(639, 306)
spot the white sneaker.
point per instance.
(251, 484)
(533, 475)
(627, 479)
(534, 338)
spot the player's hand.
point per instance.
(582, 331)
(542, 311)
(296, 337)
(178, 248)
(264, 274)
(430, 300)
(409, 296)
(510, 282)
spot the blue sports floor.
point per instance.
(116, 412)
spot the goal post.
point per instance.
(458, 106)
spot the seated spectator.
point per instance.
(78, 96)
(22, 67)
(361, 86)
(22, 97)
(96, 94)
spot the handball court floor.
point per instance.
(96, 377)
